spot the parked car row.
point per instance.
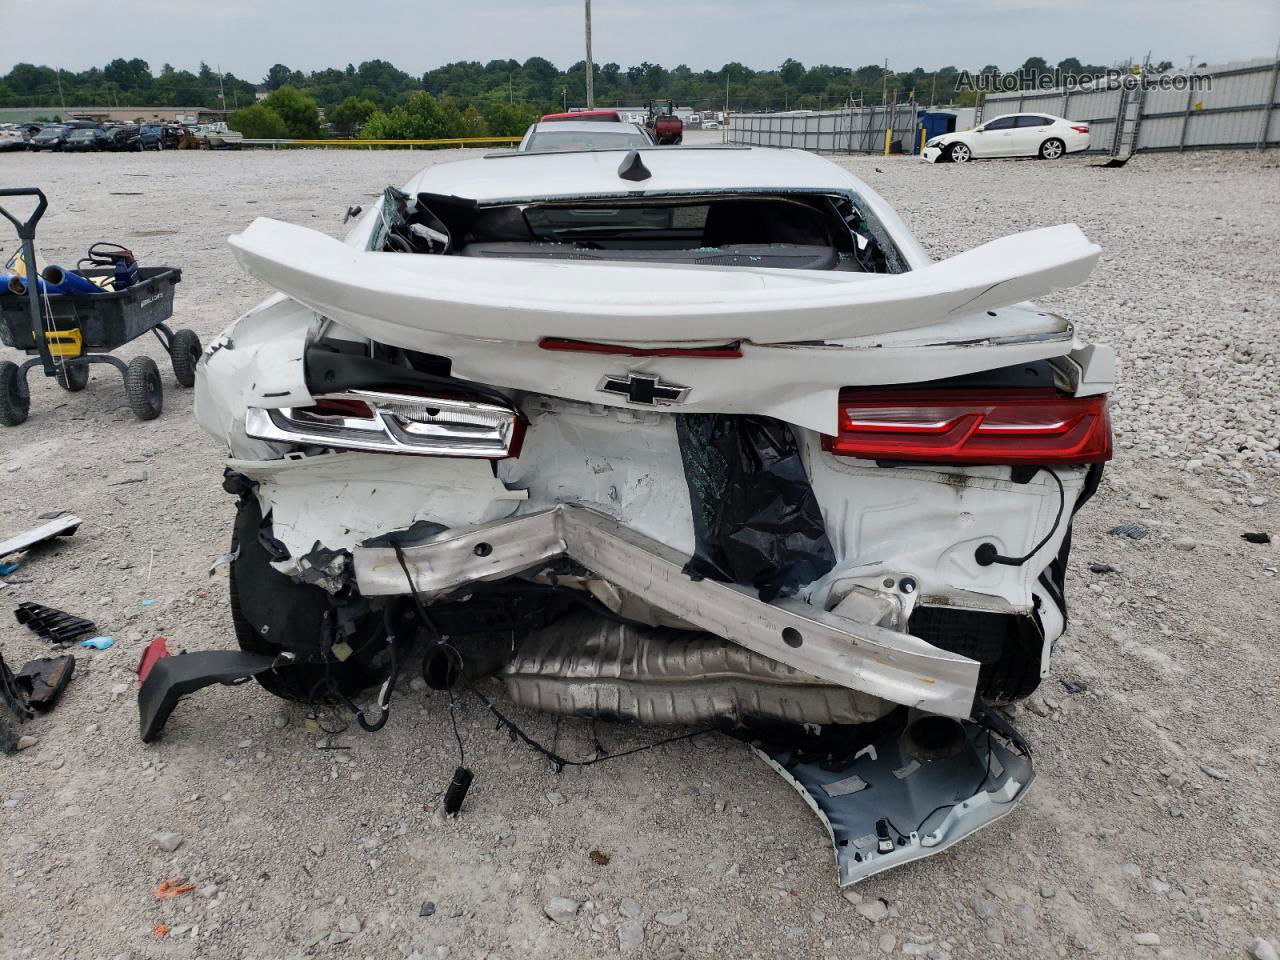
(84, 136)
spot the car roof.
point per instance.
(582, 115)
(585, 126)
(1026, 113)
(526, 175)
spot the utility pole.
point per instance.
(222, 94)
(57, 73)
(884, 89)
(726, 89)
(591, 94)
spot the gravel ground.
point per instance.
(1150, 832)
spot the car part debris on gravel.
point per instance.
(13, 709)
(172, 678)
(167, 891)
(43, 681)
(57, 524)
(156, 650)
(53, 625)
(1134, 531)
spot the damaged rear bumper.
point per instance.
(883, 808)
(885, 663)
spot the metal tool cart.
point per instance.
(61, 331)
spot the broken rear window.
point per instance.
(797, 231)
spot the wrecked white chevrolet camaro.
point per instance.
(677, 436)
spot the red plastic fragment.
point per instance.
(156, 650)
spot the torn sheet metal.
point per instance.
(341, 499)
(884, 808)
(55, 525)
(884, 663)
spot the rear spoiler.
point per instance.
(525, 300)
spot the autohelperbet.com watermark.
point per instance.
(1057, 80)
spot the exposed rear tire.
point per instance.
(1052, 149)
(15, 403)
(184, 353)
(142, 386)
(272, 614)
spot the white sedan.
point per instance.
(1013, 135)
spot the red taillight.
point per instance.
(1080, 127)
(1038, 426)
(339, 407)
(728, 351)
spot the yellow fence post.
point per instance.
(888, 137)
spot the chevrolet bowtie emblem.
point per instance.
(646, 388)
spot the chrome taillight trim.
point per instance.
(401, 423)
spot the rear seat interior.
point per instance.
(734, 232)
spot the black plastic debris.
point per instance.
(427, 909)
(173, 678)
(1134, 531)
(1101, 568)
(756, 519)
(42, 681)
(457, 790)
(1074, 686)
(53, 625)
(1257, 537)
(13, 710)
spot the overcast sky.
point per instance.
(247, 36)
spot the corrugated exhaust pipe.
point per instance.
(931, 737)
(589, 667)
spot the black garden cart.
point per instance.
(65, 332)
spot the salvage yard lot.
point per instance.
(1150, 831)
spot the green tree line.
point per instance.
(469, 98)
